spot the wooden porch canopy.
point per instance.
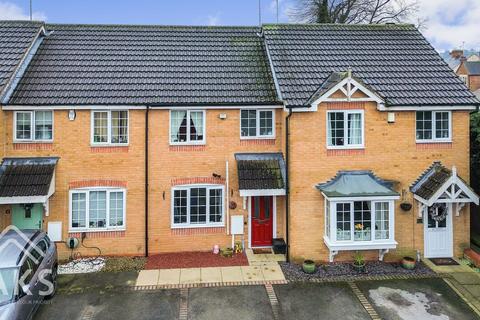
(439, 184)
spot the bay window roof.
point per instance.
(351, 184)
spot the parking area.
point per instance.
(429, 299)
(426, 299)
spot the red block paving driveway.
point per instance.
(194, 260)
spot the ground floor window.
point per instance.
(197, 206)
(359, 221)
(97, 209)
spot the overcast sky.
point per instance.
(451, 23)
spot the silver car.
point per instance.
(28, 272)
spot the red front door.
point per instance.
(262, 221)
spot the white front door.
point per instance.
(438, 233)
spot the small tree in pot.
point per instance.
(309, 266)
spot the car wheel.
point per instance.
(54, 282)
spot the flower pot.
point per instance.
(408, 263)
(359, 267)
(405, 206)
(227, 252)
(309, 266)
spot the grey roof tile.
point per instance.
(15, 39)
(260, 171)
(115, 64)
(394, 60)
(23, 177)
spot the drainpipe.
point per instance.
(287, 181)
(146, 180)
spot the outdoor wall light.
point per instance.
(71, 115)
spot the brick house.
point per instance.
(469, 72)
(151, 139)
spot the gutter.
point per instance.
(146, 179)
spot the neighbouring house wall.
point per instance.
(81, 164)
(474, 82)
(390, 151)
(170, 165)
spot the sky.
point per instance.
(450, 23)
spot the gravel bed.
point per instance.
(84, 265)
(294, 271)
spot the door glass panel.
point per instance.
(267, 207)
(256, 204)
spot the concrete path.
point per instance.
(464, 280)
(262, 267)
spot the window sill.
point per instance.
(108, 145)
(109, 149)
(359, 245)
(432, 141)
(187, 147)
(32, 141)
(33, 145)
(433, 145)
(112, 233)
(193, 226)
(258, 138)
(96, 230)
(346, 148)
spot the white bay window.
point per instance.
(97, 209)
(197, 206)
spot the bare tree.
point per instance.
(355, 11)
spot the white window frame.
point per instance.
(86, 191)
(257, 125)
(109, 128)
(464, 78)
(435, 140)
(352, 243)
(345, 129)
(207, 224)
(188, 142)
(32, 126)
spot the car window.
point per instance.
(42, 245)
(27, 271)
(47, 240)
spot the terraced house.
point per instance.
(148, 139)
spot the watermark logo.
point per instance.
(32, 277)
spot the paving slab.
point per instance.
(272, 272)
(232, 303)
(210, 275)
(466, 277)
(169, 276)
(148, 278)
(252, 273)
(190, 275)
(426, 299)
(474, 289)
(326, 301)
(231, 274)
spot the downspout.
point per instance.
(146, 179)
(287, 181)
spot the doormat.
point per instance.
(262, 251)
(444, 262)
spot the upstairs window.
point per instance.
(257, 124)
(197, 206)
(110, 127)
(34, 126)
(345, 129)
(97, 209)
(187, 127)
(433, 126)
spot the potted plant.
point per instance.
(359, 262)
(406, 206)
(227, 252)
(309, 266)
(408, 263)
